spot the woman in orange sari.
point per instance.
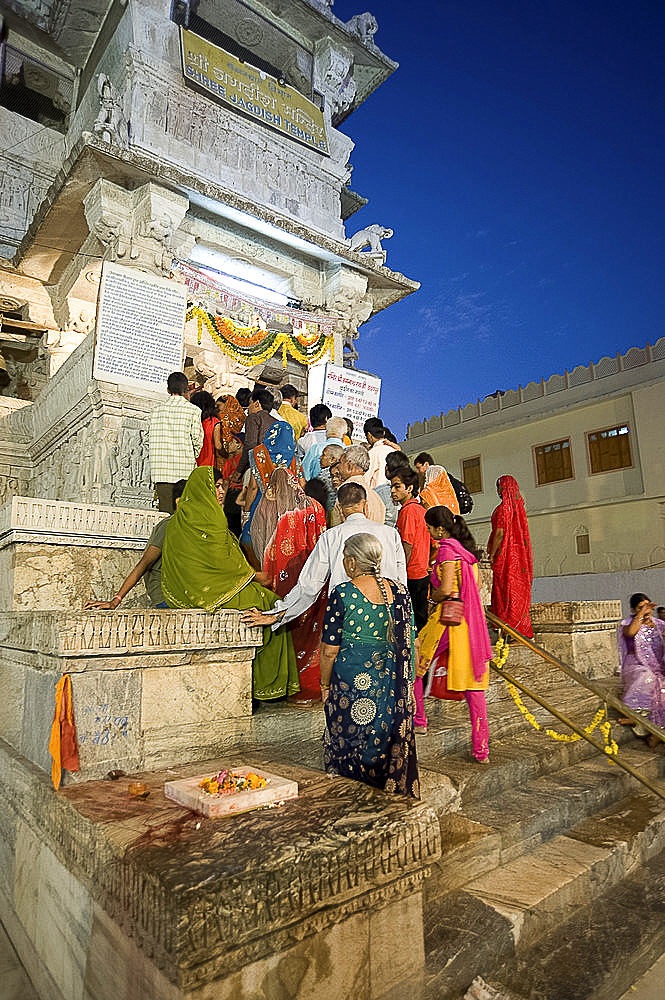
(509, 550)
(438, 490)
(285, 528)
(231, 417)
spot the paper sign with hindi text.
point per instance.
(351, 393)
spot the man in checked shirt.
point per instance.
(175, 439)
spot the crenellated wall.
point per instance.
(582, 375)
(610, 523)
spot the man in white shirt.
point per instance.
(378, 450)
(325, 561)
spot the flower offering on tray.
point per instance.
(227, 782)
(232, 790)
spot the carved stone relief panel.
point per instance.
(28, 371)
(28, 164)
(333, 75)
(222, 146)
(97, 463)
(348, 297)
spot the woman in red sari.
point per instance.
(509, 550)
(212, 431)
(285, 528)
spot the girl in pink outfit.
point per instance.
(458, 655)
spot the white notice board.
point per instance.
(351, 393)
(140, 328)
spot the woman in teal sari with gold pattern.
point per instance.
(366, 675)
(203, 567)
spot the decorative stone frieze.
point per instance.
(29, 161)
(55, 521)
(563, 613)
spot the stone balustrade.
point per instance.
(56, 555)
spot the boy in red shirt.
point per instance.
(415, 539)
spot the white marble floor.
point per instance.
(13, 977)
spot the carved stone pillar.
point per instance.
(348, 297)
(137, 228)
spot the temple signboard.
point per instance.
(252, 92)
(140, 328)
(351, 393)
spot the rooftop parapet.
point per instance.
(636, 357)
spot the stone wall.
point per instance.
(81, 440)
(149, 688)
(55, 556)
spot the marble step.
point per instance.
(600, 949)
(517, 756)
(487, 833)
(281, 723)
(517, 867)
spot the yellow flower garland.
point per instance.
(611, 747)
(283, 340)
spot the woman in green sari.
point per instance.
(203, 567)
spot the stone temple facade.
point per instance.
(115, 151)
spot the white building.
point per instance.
(588, 451)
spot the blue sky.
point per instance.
(518, 153)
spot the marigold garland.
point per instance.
(250, 345)
(611, 747)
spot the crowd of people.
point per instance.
(358, 565)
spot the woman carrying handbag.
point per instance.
(455, 644)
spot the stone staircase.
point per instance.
(551, 882)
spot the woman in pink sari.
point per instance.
(285, 528)
(457, 656)
(509, 550)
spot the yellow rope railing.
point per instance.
(611, 746)
(498, 664)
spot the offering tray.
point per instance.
(187, 792)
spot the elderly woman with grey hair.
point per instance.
(352, 468)
(366, 661)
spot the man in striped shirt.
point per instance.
(175, 439)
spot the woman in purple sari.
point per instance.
(642, 656)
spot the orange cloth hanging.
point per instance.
(63, 744)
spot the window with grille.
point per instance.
(554, 462)
(610, 449)
(472, 476)
(582, 544)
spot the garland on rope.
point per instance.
(251, 345)
(611, 747)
